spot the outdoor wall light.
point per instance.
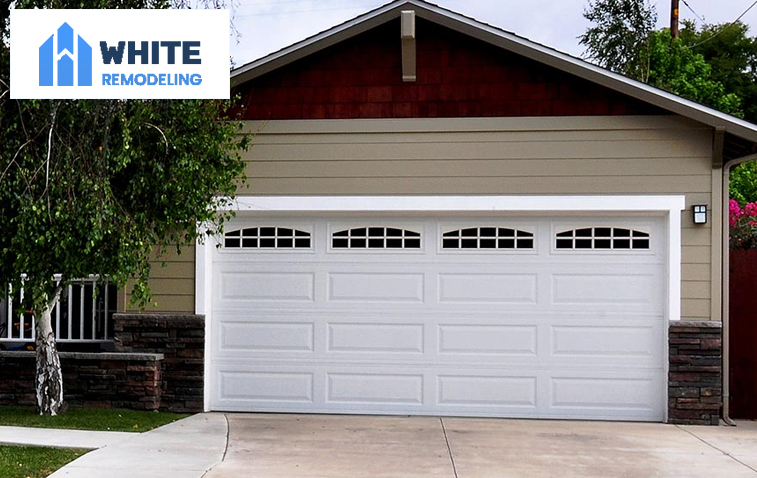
(700, 214)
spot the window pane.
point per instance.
(525, 243)
(488, 232)
(451, 243)
(230, 242)
(602, 243)
(506, 243)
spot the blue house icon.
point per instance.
(47, 55)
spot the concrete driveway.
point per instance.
(310, 446)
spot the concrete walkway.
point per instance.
(60, 438)
(184, 449)
(215, 445)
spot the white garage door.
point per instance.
(521, 317)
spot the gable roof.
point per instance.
(730, 125)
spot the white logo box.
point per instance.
(202, 34)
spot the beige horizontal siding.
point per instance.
(482, 185)
(171, 282)
(648, 167)
(695, 308)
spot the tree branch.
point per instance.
(161, 132)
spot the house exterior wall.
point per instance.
(503, 156)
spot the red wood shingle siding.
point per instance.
(457, 76)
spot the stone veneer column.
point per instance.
(181, 340)
(695, 381)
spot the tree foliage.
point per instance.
(94, 186)
(715, 65)
(617, 41)
(675, 67)
(732, 55)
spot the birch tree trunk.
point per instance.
(49, 378)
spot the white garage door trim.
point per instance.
(248, 206)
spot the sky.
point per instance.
(269, 25)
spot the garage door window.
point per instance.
(267, 238)
(487, 238)
(602, 238)
(376, 238)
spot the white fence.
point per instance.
(83, 314)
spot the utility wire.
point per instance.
(692, 11)
(724, 27)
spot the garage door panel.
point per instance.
(267, 336)
(266, 386)
(627, 342)
(267, 286)
(366, 338)
(481, 339)
(622, 288)
(477, 391)
(505, 288)
(471, 332)
(375, 287)
(387, 389)
(616, 393)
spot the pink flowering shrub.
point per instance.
(743, 223)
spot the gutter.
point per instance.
(726, 283)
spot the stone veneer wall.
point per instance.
(695, 377)
(180, 338)
(92, 380)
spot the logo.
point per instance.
(119, 54)
(63, 57)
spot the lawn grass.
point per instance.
(34, 461)
(89, 419)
